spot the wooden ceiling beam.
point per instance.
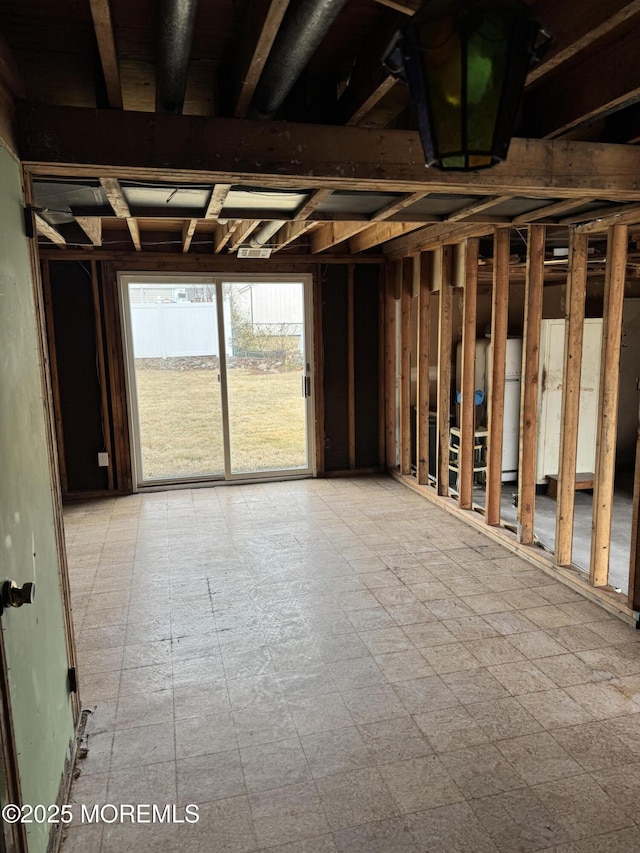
(397, 205)
(290, 232)
(103, 26)
(92, 227)
(223, 234)
(628, 214)
(575, 29)
(369, 80)
(188, 230)
(118, 202)
(610, 211)
(397, 7)
(217, 200)
(242, 232)
(477, 207)
(434, 236)
(332, 233)
(101, 143)
(45, 230)
(379, 233)
(257, 34)
(597, 86)
(315, 198)
(550, 211)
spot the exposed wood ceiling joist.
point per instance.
(92, 227)
(103, 26)
(48, 231)
(259, 29)
(332, 233)
(118, 202)
(476, 208)
(188, 230)
(379, 233)
(218, 198)
(314, 199)
(290, 232)
(551, 211)
(164, 147)
(244, 230)
(602, 219)
(397, 206)
(433, 236)
(223, 234)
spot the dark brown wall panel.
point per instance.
(78, 378)
(335, 378)
(367, 381)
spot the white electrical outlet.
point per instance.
(103, 460)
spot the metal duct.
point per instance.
(177, 22)
(264, 234)
(305, 24)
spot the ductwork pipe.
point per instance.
(305, 24)
(264, 234)
(177, 21)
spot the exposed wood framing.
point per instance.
(48, 231)
(260, 27)
(468, 389)
(100, 143)
(244, 230)
(380, 233)
(397, 6)
(634, 561)
(573, 34)
(422, 390)
(188, 230)
(103, 26)
(315, 198)
(351, 367)
(602, 219)
(443, 281)
(92, 227)
(223, 234)
(290, 232)
(499, 328)
(589, 90)
(55, 379)
(390, 286)
(572, 370)
(118, 202)
(329, 235)
(551, 211)
(397, 205)
(529, 387)
(102, 373)
(381, 373)
(607, 423)
(318, 358)
(477, 207)
(405, 364)
(434, 236)
(217, 200)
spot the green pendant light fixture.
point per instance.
(466, 63)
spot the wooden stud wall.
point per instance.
(422, 391)
(444, 283)
(608, 404)
(572, 372)
(391, 272)
(499, 324)
(529, 388)
(467, 391)
(405, 365)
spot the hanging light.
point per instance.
(466, 62)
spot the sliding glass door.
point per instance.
(218, 376)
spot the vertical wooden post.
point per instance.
(634, 562)
(572, 370)
(468, 380)
(533, 293)
(318, 358)
(444, 267)
(390, 363)
(102, 374)
(499, 325)
(351, 369)
(381, 371)
(607, 423)
(405, 365)
(422, 394)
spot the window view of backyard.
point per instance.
(178, 377)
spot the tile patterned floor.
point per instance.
(338, 666)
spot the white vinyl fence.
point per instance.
(170, 329)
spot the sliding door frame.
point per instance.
(217, 280)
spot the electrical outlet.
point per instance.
(103, 460)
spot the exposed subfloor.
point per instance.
(340, 665)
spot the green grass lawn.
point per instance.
(181, 421)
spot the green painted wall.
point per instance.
(33, 635)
